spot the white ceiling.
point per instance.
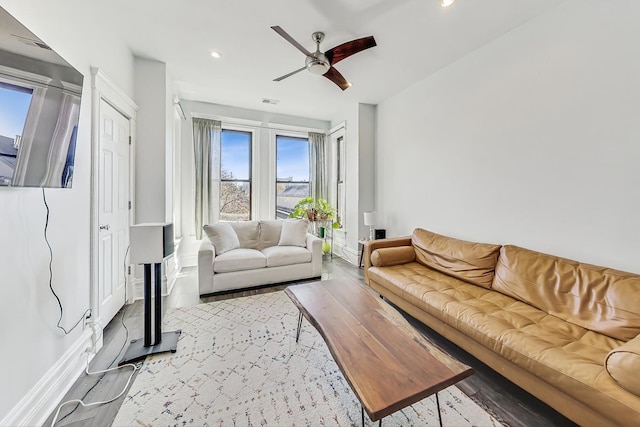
(415, 39)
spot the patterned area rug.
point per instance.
(238, 364)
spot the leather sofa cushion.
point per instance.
(623, 365)
(596, 298)
(286, 255)
(469, 261)
(248, 233)
(565, 355)
(393, 256)
(270, 233)
(239, 260)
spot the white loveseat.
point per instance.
(243, 254)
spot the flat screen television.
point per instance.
(40, 97)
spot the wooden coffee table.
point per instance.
(387, 363)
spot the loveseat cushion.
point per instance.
(393, 256)
(596, 298)
(293, 233)
(469, 261)
(286, 255)
(248, 233)
(223, 237)
(270, 233)
(623, 365)
(239, 260)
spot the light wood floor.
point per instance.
(507, 402)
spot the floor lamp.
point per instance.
(150, 244)
(370, 219)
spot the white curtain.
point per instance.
(318, 162)
(206, 144)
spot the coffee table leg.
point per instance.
(299, 326)
(362, 416)
(439, 414)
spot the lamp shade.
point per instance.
(370, 218)
(150, 242)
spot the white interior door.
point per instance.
(113, 210)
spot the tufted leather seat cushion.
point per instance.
(563, 354)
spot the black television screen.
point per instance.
(40, 97)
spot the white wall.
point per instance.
(154, 143)
(28, 311)
(532, 140)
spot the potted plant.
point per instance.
(314, 210)
(305, 208)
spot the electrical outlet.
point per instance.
(86, 322)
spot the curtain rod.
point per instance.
(256, 124)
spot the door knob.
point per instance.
(105, 227)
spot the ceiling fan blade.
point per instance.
(335, 76)
(290, 39)
(289, 75)
(347, 49)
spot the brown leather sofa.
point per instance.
(567, 332)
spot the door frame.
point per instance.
(104, 89)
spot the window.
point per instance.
(235, 175)
(14, 106)
(292, 173)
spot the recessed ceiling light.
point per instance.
(446, 3)
(216, 54)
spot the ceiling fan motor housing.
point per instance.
(318, 63)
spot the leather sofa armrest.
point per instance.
(393, 256)
(206, 254)
(623, 365)
(372, 245)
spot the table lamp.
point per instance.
(370, 219)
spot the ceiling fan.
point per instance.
(323, 63)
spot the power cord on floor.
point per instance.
(79, 402)
(87, 405)
(46, 239)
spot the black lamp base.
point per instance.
(137, 351)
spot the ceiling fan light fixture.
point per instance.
(317, 65)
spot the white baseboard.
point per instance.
(43, 399)
(346, 253)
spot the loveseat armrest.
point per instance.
(623, 365)
(372, 245)
(206, 254)
(314, 244)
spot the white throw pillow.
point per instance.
(294, 233)
(223, 237)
